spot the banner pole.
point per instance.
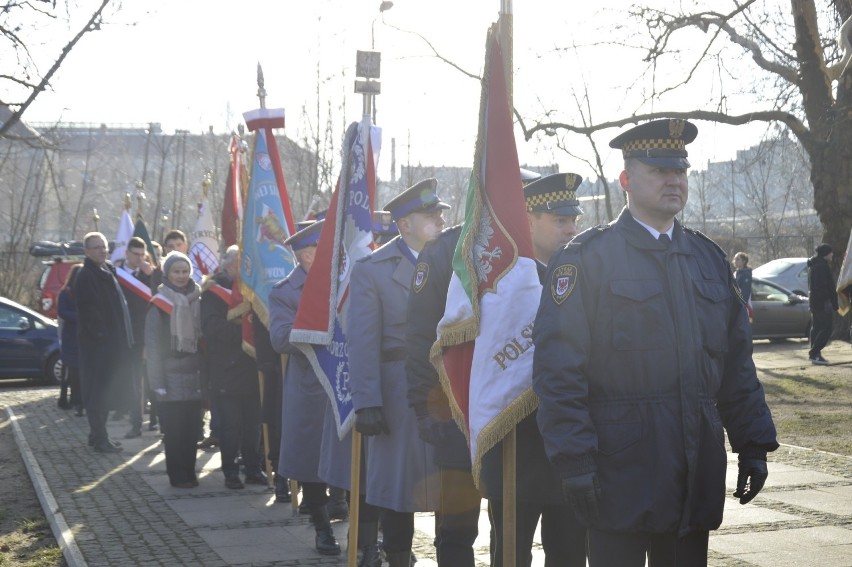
(354, 499)
(509, 442)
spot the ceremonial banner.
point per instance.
(204, 252)
(346, 236)
(140, 230)
(232, 205)
(484, 352)
(844, 281)
(123, 236)
(267, 221)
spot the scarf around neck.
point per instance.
(185, 321)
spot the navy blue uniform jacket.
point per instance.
(642, 354)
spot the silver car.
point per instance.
(789, 273)
(778, 312)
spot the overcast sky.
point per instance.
(191, 64)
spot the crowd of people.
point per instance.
(642, 357)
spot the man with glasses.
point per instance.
(105, 335)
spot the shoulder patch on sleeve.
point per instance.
(562, 282)
(421, 274)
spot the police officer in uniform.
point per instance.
(458, 524)
(552, 212)
(642, 356)
(401, 476)
(304, 399)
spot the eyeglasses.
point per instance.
(137, 254)
(101, 247)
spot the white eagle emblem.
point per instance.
(481, 255)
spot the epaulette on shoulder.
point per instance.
(703, 236)
(279, 283)
(586, 236)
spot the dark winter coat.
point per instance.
(426, 304)
(67, 311)
(104, 335)
(229, 369)
(643, 354)
(821, 294)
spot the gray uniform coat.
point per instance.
(303, 398)
(335, 466)
(401, 474)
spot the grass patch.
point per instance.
(810, 407)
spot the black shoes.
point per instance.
(133, 433)
(818, 359)
(257, 478)
(234, 482)
(110, 441)
(371, 556)
(107, 448)
(79, 412)
(208, 443)
(326, 542)
(63, 404)
(282, 490)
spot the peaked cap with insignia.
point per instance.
(528, 176)
(555, 194)
(419, 198)
(659, 143)
(308, 236)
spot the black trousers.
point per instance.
(397, 530)
(239, 432)
(562, 536)
(457, 522)
(663, 550)
(821, 324)
(180, 438)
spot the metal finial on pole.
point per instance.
(261, 92)
(207, 182)
(127, 202)
(96, 217)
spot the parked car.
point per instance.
(29, 344)
(51, 281)
(789, 273)
(778, 312)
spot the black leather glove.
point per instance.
(431, 430)
(582, 493)
(371, 421)
(750, 480)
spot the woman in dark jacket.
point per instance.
(172, 332)
(69, 349)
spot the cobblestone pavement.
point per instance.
(119, 509)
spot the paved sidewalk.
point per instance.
(120, 510)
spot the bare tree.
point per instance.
(20, 72)
(806, 88)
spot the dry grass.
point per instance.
(810, 406)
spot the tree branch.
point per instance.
(795, 125)
(92, 24)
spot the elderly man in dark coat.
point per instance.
(304, 399)
(105, 337)
(232, 376)
(401, 474)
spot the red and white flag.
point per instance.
(204, 252)
(123, 236)
(494, 291)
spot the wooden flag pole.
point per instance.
(354, 499)
(509, 442)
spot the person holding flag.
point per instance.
(134, 273)
(552, 211)
(303, 397)
(401, 474)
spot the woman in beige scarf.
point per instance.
(172, 332)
